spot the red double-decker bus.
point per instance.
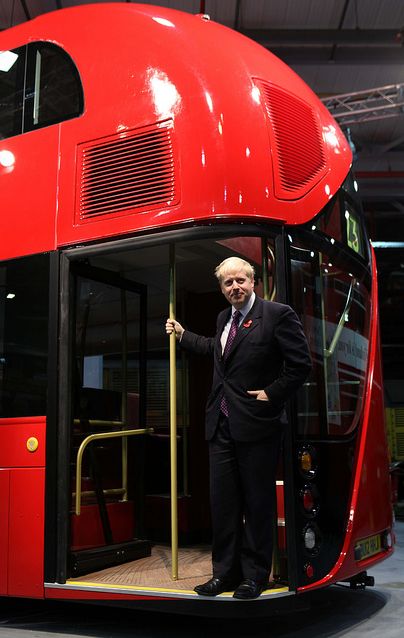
(139, 147)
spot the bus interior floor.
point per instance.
(194, 566)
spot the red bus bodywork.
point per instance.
(231, 112)
(167, 66)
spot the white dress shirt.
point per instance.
(244, 312)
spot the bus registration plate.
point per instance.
(368, 547)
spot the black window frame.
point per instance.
(345, 194)
(24, 115)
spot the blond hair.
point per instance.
(234, 264)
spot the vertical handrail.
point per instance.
(124, 394)
(173, 423)
(276, 568)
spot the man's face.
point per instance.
(237, 288)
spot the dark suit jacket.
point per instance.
(269, 352)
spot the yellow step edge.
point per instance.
(98, 585)
(128, 587)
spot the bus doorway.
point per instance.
(119, 375)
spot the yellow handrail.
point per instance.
(173, 424)
(93, 437)
(124, 398)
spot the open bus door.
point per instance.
(113, 387)
(104, 307)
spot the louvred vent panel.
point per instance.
(130, 172)
(297, 144)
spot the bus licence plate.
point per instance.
(368, 546)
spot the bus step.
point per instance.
(91, 560)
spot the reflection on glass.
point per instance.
(334, 308)
(7, 60)
(24, 301)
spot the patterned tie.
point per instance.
(230, 338)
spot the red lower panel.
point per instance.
(77, 594)
(26, 532)
(14, 437)
(280, 504)
(4, 507)
(86, 529)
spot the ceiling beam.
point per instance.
(358, 107)
(381, 186)
(332, 46)
(237, 15)
(25, 9)
(393, 144)
(348, 56)
(340, 25)
(304, 37)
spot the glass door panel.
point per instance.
(108, 398)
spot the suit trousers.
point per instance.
(243, 504)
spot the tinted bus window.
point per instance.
(38, 91)
(330, 221)
(341, 220)
(12, 64)
(332, 300)
(53, 92)
(24, 290)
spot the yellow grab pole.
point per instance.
(124, 399)
(265, 290)
(173, 424)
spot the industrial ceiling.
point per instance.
(337, 47)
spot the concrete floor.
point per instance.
(337, 611)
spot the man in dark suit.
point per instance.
(260, 358)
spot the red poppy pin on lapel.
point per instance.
(247, 324)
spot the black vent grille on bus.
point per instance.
(132, 171)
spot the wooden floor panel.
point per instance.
(194, 566)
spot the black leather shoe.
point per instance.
(215, 586)
(249, 588)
